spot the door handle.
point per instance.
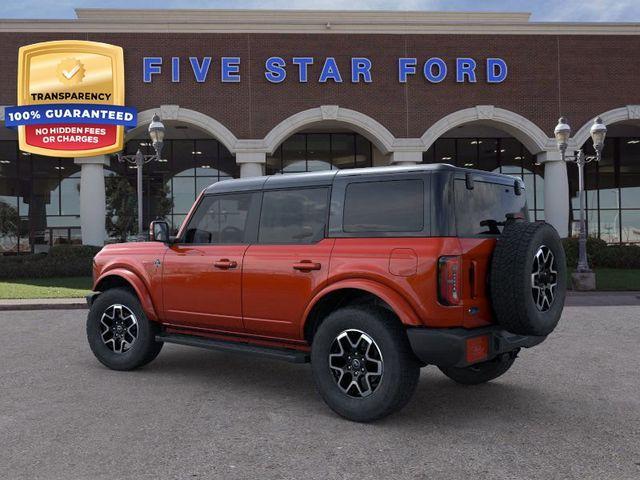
(225, 264)
(306, 266)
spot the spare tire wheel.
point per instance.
(528, 278)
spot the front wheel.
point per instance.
(119, 333)
(480, 372)
(362, 363)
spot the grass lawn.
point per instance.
(70, 287)
(617, 279)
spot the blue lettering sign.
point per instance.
(406, 66)
(465, 67)
(428, 70)
(496, 70)
(303, 65)
(230, 70)
(151, 66)
(330, 71)
(275, 69)
(360, 67)
(175, 69)
(200, 71)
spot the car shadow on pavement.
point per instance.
(436, 398)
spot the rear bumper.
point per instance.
(459, 347)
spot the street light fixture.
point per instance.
(562, 133)
(156, 133)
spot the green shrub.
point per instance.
(61, 261)
(601, 255)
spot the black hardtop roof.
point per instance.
(326, 177)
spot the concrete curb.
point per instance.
(43, 304)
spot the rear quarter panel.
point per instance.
(371, 260)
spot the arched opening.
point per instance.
(612, 186)
(39, 199)
(192, 159)
(324, 138)
(489, 147)
(327, 146)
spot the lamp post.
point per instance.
(562, 133)
(156, 133)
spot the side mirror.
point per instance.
(159, 231)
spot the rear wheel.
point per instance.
(480, 372)
(362, 363)
(119, 333)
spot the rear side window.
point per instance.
(221, 219)
(297, 216)
(386, 206)
(479, 210)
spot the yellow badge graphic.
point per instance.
(71, 99)
(70, 71)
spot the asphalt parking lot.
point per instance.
(568, 409)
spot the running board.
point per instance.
(288, 355)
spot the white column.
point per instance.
(92, 199)
(251, 163)
(556, 191)
(406, 158)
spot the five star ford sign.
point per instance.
(70, 99)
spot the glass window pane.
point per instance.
(318, 152)
(631, 226)
(182, 163)
(401, 211)
(610, 226)
(467, 150)
(294, 154)
(206, 157)
(479, 210)
(45, 166)
(70, 196)
(294, 216)
(429, 155)
(8, 158)
(363, 152)
(488, 154)
(220, 219)
(204, 182)
(274, 162)
(511, 156)
(343, 149)
(445, 151)
(227, 165)
(184, 194)
(630, 172)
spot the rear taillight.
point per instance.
(449, 280)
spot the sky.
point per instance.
(542, 10)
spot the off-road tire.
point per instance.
(480, 372)
(143, 350)
(400, 368)
(512, 294)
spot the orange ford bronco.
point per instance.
(369, 274)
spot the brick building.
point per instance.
(252, 92)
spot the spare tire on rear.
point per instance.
(528, 278)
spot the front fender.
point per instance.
(142, 291)
(398, 304)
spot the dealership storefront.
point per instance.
(251, 93)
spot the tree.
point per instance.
(122, 214)
(122, 208)
(9, 221)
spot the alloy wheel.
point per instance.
(544, 278)
(356, 363)
(118, 328)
